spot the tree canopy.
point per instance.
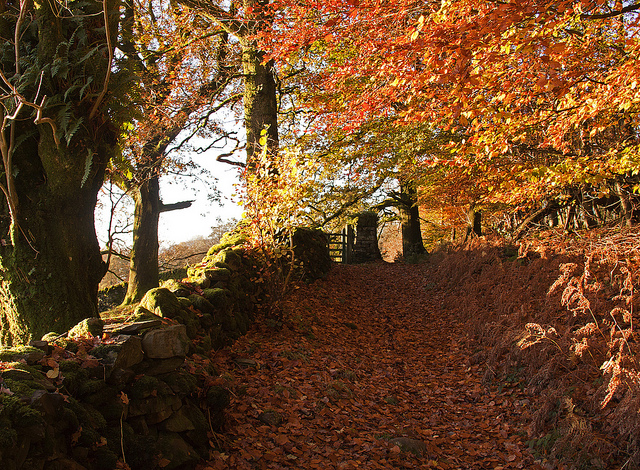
(543, 95)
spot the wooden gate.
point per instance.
(341, 245)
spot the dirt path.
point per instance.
(369, 373)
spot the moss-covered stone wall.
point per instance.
(87, 403)
(134, 386)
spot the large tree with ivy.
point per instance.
(59, 128)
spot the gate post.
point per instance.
(366, 247)
(348, 246)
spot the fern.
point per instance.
(72, 130)
(86, 85)
(64, 117)
(87, 167)
(69, 91)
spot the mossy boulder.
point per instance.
(217, 297)
(29, 354)
(144, 387)
(143, 314)
(86, 328)
(231, 257)
(162, 302)
(177, 287)
(181, 383)
(184, 302)
(201, 303)
(228, 240)
(18, 413)
(218, 274)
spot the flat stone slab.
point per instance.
(131, 328)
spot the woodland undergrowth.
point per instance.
(559, 315)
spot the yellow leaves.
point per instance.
(419, 28)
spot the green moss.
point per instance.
(74, 375)
(229, 239)
(90, 386)
(230, 257)
(142, 314)
(206, 343)
(35, 371)
(144, 387)
(201, 303)
(141, 452)
(21, 415)
(217, 297)
(217, 398)
(8, 435)
(181, 383)
(67, 420)
(22, 388)
(88, 437)
(105, 458)
(50, 336)
(17, 353)
(185, 302)
(193, 326)
(176, 287)
(87, 327)
(162, 302)
(93, 416)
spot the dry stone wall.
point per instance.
(135, 392)
(130, 397)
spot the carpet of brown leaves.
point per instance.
(367, 370)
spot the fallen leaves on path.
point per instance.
(367, 372)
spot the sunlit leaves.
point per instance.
(523, 81)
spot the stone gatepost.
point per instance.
(366, 247)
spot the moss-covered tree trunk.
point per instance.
(50, 263)
(143, 266)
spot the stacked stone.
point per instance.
(366, 247)
(135, 403)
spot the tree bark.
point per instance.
(410, 218)
(50, 263)
(260, 90)
(260, 93)
(474, 223)
(143, 265)
(260, 106)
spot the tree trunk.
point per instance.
(260, 104)
(474, 223)
(50, 263)
(409, 213)
(625, 205)
(143, 265)
(50, 281)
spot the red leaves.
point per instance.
(345, 393)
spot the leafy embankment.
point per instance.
(558, 315)
(368, 370)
